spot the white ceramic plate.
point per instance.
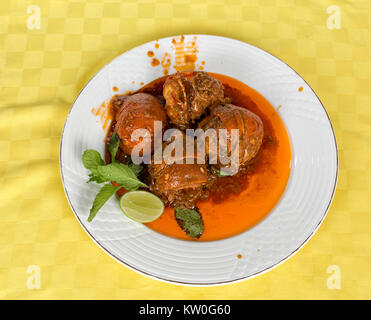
(283, 232)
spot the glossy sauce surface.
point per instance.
(238, 203)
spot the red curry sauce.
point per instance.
(238, 203)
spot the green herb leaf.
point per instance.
(101, 198)
(219, 172)
(121, 174)
(222, 173)
(96, 177)
(190, 221)
(136, 168)
(91, 159)
(113, 146)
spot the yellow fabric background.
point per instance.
(41, 73)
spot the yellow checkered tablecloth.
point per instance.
(41, 72)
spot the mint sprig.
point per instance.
(124, 175)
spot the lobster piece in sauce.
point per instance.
(138, 111)
(250, 131)
(189, 94)
(180, 184)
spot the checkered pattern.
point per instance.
(42, 71)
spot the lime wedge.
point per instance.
(141, 206)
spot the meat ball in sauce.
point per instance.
(189, 94)
(250, 132)
(138, 111)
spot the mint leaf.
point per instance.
(96, 177)
(136, 168)
(190, 221)
(113, 146)
(121, 174)
(106, 192)
(91, 159)
(222, 173)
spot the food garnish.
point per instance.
(136, 168)
(113, 146)
(190, 221)
(101, 198)
(91, 160)
(222, 173)
(141, 206)
(122, 174)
